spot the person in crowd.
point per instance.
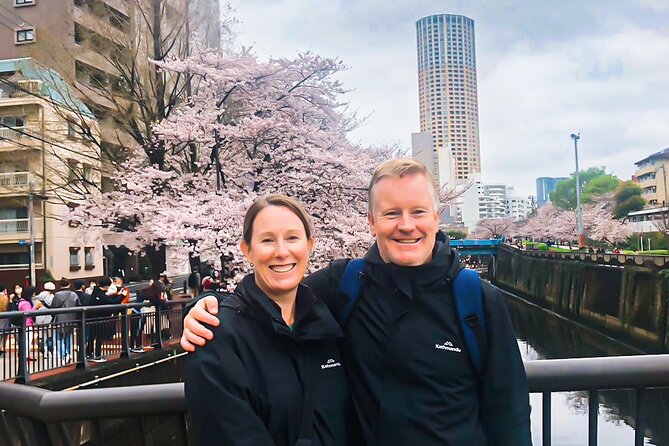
(407, 390)
(18, 290)
(194, 281)
(14, 300)
(4, 323)
(85, 301)
(120, 289)
(167, 285)
(91, 286)
(44, 335)
(215, 280)
(26, 304)
(104, 327)
(273, 374)
(45, 296)
(65, 298)
(155, 294)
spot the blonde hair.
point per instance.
(275, 200)
(399, 168)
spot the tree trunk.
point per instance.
(157, 259)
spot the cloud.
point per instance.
(606, 88)
(544, 72)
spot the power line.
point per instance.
(24, 21)
(39, 138)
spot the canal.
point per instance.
(545, 335)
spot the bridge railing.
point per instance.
(84, 335)
(37, 416)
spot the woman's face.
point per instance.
(18, 289)
(279, 250)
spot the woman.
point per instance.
(26, 304)
(273, 374)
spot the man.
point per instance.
(104, 326)
(194, 281)
(85, 300)
(406, 390)
(65, 298)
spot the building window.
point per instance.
(89, 262)
(72, 167)
(74, 259)
(87, 172)
(24, 2)
(26, 35)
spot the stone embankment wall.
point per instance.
(626, 301)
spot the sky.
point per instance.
(545, 70)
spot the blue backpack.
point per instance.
(468, 302)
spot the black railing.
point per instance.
(36, 416)
(90, 334)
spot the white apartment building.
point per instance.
(490, 200)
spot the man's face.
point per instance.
(404, 220)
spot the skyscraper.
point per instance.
(448, 91)
(546, 185)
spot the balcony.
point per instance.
(14, 226)
(21, 89)
(14, 182)
(17, 138)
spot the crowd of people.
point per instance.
(207, 280)
(53, 336)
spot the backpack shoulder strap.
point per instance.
(350, 286)
(469, 304)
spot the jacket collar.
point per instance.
(313, 320)
(439, 271)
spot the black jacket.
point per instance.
(100, 297)
(405, 390)
(245, 387)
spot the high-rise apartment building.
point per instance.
(448, 89)
(490, 200)
(98, 51)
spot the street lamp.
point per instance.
(579, 209)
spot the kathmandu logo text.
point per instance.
(330, 364)
(448, 345)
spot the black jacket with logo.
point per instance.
(246, 386)
(411, 379)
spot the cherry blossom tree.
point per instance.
(254, 128)
(600, 224)
(494, 227)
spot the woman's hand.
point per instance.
(204, 312)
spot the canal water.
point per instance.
(543, 335)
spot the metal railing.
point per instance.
(14, 179)
(48, 412)
(15, 133)
(89, 334)
(14, 226)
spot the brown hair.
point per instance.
(276, 200)
(398, 168)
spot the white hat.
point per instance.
(49, 286)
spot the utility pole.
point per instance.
(579, 209)
(31, 229)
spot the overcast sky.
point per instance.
(545, 70)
